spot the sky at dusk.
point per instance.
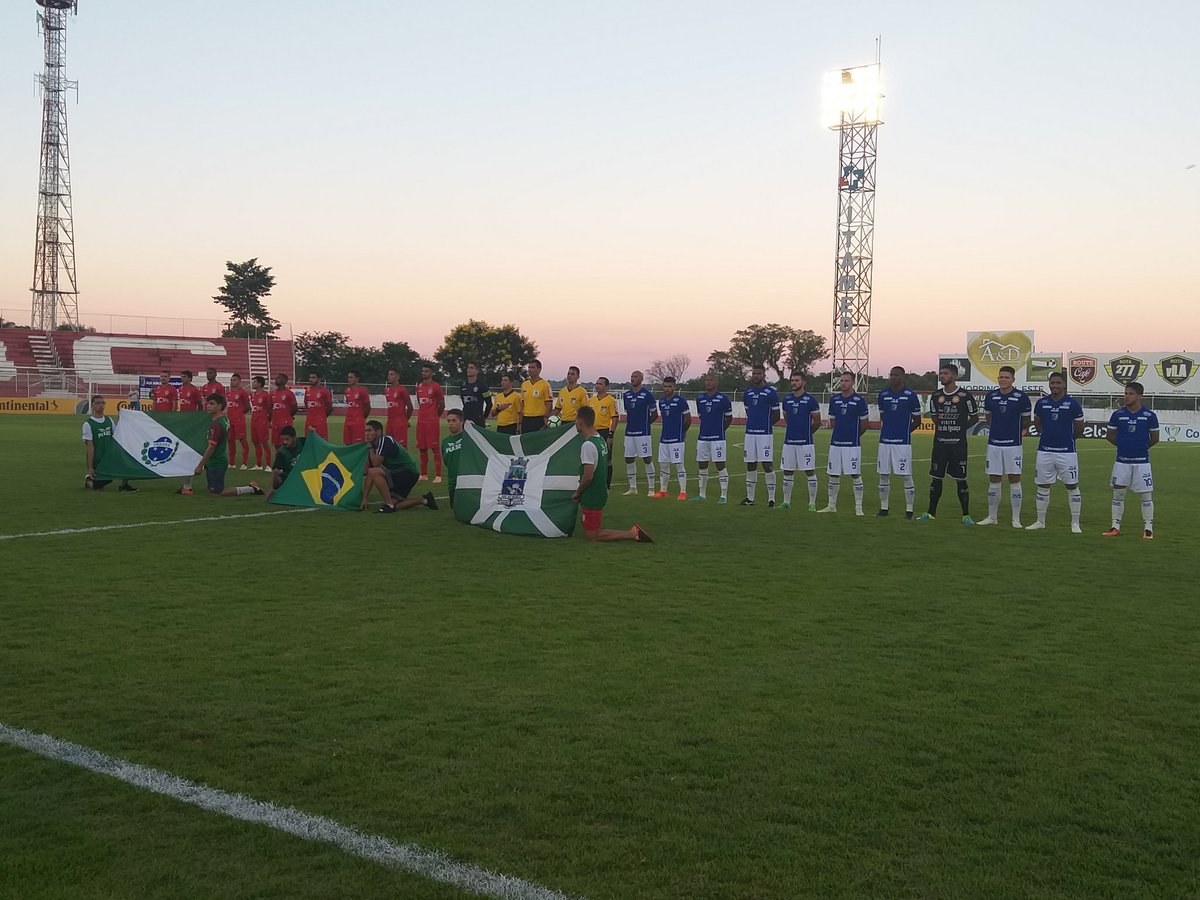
(622, 180)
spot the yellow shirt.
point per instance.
(570, 401)
(606, 411)
(535, 397)
(511, 415)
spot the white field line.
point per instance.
(32, 534)
(406, 857)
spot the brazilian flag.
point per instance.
(326, 475)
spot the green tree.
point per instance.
(407, 361)
(319, 351)
(778, 348)
(494, 348)
(71, 326)
(246, 285)
(7, 323)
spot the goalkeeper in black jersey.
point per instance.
(954, 411)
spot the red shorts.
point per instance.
(320, 426)
(591, 518)
(429, 434)
(398, 431)
(259, 430)
(276, 437)
(237, 428)
(354, 431)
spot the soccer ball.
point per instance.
(553, 422)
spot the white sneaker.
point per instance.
(1016, 523)
(632, 492)
(1075, 529)
(859, 512)
(988, 521)
(1036, 526)
(243, 467)
(827, 509)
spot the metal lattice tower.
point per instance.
(55, 295)
(853, 101)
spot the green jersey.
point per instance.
(451, 445)
(285, 457)
(394, 457)
(100, 433)
(595, 452)
(218, 436)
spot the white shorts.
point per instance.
(759, 448)
(706, 450)
(1052, 467)
(1003, 460)
(845, 460)
(894, 459)
(1135, 476)
(670, 452)
(637, 447)
(799, 458)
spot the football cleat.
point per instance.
(770, 504)
(722, 501)
(1075, 529)
(682, 496)
(697, 499)
(827, 509)
(1036, 526)
(658, 495)
(812, 507)
(786, 504)
(243, 467)
(127, 488)
(1016, 524)
(642, 536)
(438, 480)
(987, 521)
(859, 512)
(1147, 535)
(908, 515)
(430, 502)
(746, 502)
(1112, 532)
(967, 520)
(881, 513)
(925, 517)
(632, 492)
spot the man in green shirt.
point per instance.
(98, 440)
(285, 457)
(451, 446)
(392, 472)
(592, 493)
(215, 460)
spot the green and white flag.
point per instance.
(156, 444)
(519, 484)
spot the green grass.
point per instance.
(763, 704)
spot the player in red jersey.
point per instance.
(260, 422)
(318, 405)
(431, 403)
(190, 398)
(239, 404)
(211, 386)
(358, 408)
(399, 407)
(283, 409)
(164, 395)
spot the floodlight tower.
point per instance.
(852, 107)
(55, 297)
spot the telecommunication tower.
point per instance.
(852, 107)
(55, 295)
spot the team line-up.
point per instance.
(1133, 430)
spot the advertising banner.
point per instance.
(988, 351)
(1108, 373)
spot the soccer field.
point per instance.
(762, 704)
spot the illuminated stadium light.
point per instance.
(852, 97)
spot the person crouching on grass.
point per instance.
(215, 460)
(392, 472)
(592, 493)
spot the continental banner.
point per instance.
(44, 406)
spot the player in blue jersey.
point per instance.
(716, 414)
(676, 420)
(899, 417)
(1133, 430)
(762, 412)
(1008, 410)
(640, 413)
(849, 413)
(802, 415)
(1059, 421)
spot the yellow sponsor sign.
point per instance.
(59, 406)
(988, 351)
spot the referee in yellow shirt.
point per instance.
(506, 407)
(605, 405)
(570, 398)
(535, 399)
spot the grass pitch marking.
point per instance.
(407, 857)
(32, 534)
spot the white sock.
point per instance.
(993, 499)
(650, 475)
(885, 490)
(187, 482)
(860, 489)
(244, 490)
(1075, 499)
(1118, 507)
(681, 477)
(1015, 495)
(664, 476)
(834, 485)
(703, 482)
(723, 481)
(1042, 501)
(1148, 510)
(771, 486)
(813, 487)
(787, 487)
(631, 474)
(751, 483)
(910, 493)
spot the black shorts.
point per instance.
(532, 423)
(606, 433)
(400, 482)
(506, 429)
(949, 460)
